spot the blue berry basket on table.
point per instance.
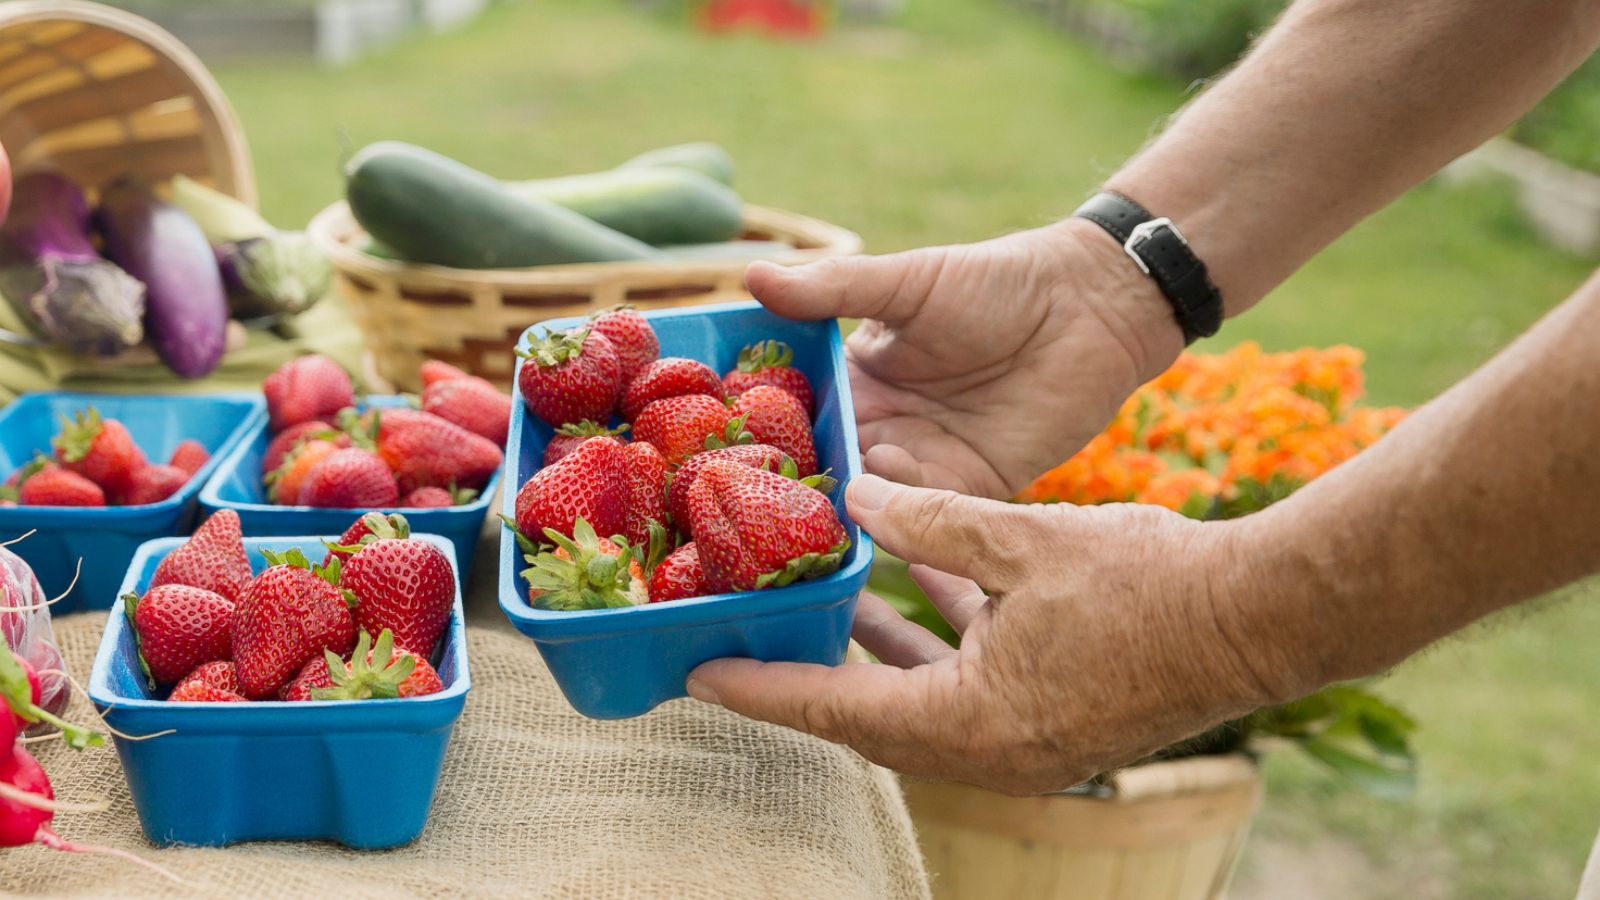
(105, 538)
(618, 663)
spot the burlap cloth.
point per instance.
(536, 800)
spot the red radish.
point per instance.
(21, 690)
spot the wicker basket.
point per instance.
(1173, 831)
(473, 318)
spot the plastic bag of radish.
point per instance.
(25, 629)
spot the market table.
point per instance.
(536, 800)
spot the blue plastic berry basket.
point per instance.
(270, 770)
(105, 538)
(617, 663)
(237, 486)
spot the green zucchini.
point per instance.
(728, 250)
(431, 209)
(657, 206)
(704, 157)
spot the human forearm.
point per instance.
(1481, 499)
(1343, 106)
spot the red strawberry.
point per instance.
(312, 676)
(60, 487)
(631, 336)
(217, 673)
(11, 489)
(100, 450)
(435, 498)
(190, 456)
(213, 559)
(569, 436)
(403, 674)
(679, 426)
(289, 438)
(589, 483)
(285, 483)
(177, 628)
(424, 450)
(678, 576)
(756, 456)
(348, 479)
(437, 370)
(304, 389)
(287, 616)
(200, 692)
(585, 571)
(671, 376)
(403, 585)
(377, 525)
(756, 529)
(646, 472)
(570, 376)
(770, 363)
(472, 403)
(773, 416)
(153, 484)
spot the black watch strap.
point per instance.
(1159, 249)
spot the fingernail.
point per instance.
(701, 691)
(869, 492)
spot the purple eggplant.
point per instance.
(186, 303)
(50, 272)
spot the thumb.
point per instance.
(951, 532)
(889, 288)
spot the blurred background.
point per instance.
(933, 121)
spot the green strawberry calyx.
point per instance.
(821, 481)
(380, 527)
(613, 308)
(529, 548)
(78, 434)
(555, 348)
(32, 467)
(16, 693)
(765, 355)
(363, 430)
(591, 428)
(296, 557)
(732, 434)
(804, 567)
(588, 578)
(361, 679)
(130, 605)
(658, 546)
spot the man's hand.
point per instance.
(978, 367)
(1100, 634)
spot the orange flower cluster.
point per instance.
(1211, 425)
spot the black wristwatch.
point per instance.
(1159, 249)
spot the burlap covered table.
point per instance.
(536, 800)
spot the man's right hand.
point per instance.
(980, 366)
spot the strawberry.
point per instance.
(472, 403)
(435, 498)
(312, 676)
(177, 628)
(348, 479)
(377, 525)
(756, 529)
(60, 487)
(287, 616)
(569, 376)
(403, 674)
(218, 673)
(585, 571)
(646, 474)
(436, 370)
(200, 692)
(773, 416)
(100, 450)
(403, 585)
(569, 436)
(670, 376)
(588, 483)
(11, 489)
(756, 456)
(678, 576)
(679, 426)
(293, 436)
(153, 484)
(770, 363)
(424, 450)
(190, 456)
(213, 559)
(630, 335)
(285, 483)
(309, 387)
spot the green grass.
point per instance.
(972, 119)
